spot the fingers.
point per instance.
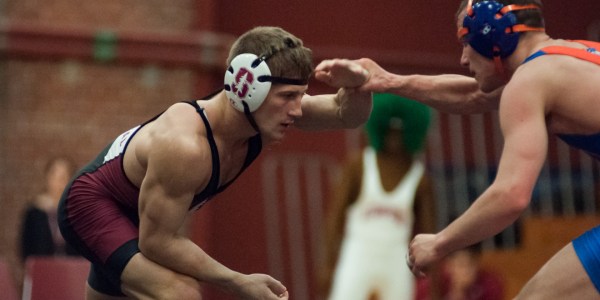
(327, 64)
(323, 76)
(277, 288)
(341, 73)
(410, 263)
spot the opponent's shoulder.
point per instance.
(538, 77)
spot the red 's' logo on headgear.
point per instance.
(243, 79)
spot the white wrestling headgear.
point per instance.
(248, 80)
(245, 82)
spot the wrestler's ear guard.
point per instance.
(247, 82)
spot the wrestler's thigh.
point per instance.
(145, 279)
(562, 277)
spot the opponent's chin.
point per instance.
(489, 85)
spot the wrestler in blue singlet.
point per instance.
(587, 246)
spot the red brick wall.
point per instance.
(65, 106)
(123, 14)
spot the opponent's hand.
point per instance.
(341, 73)
(259, 287)
(421, 254)
(377, 82)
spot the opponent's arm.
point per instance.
(348, 108)
(450, 93)
(522, 115)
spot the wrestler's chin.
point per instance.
(273, 138)
(489, 84)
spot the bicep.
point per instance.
(166, 194)
(162, 212)
(523, 124)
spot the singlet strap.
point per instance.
(254, 148)
(213, 184)
(591, 54)
(534, 56)
(213, 188)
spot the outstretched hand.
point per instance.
(341, 73)
(366, 74)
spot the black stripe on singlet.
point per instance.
(254, 148)
(212, 187)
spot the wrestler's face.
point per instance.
(279, 111)
(482, 68)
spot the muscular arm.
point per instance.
(178, 165)
(347, 109)
(522, 116)
(449, 93)
(165, 197)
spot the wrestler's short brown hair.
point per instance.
(286, 54)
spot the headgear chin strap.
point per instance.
(491, 28)
(248, 81)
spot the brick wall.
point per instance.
(75, 107)
(122, 14)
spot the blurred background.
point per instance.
(75, 74)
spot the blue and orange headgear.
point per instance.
(387, 108)
(492, 28)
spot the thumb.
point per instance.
(322, 76)
(277, 287)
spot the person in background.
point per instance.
(384, 197)
(40, 235)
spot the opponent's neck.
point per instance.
(529, 43)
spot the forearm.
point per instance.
(346, 109)
(491, 213)
(448, 93)
(354, 107)
(181, 255)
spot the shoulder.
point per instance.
(177, 144)
(530, 84)
(180, 123)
